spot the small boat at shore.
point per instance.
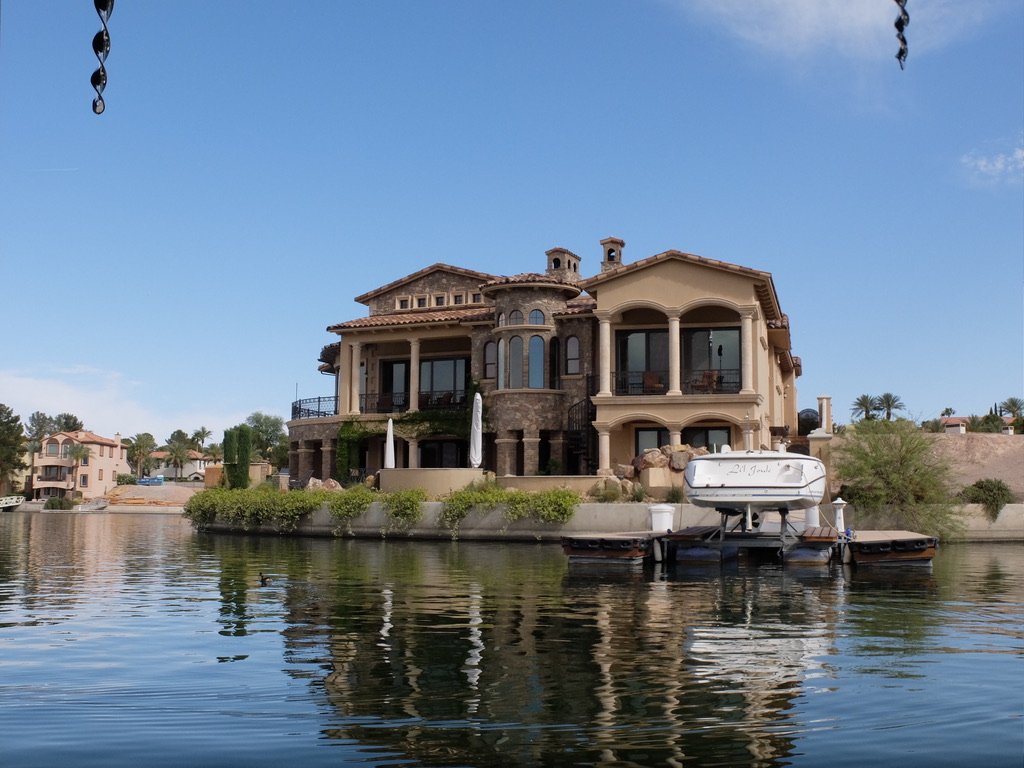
(749, 481)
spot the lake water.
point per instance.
(131, 640)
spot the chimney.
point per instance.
(611, 253)
(563, 264)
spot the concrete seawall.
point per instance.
(491, 525)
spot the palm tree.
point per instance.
(199, 438)
(1014, 406)
(215, 453)
(178, 455)
(78, 453)
(887, 402)
(139, 449)
(865, 407)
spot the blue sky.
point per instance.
(174, 262)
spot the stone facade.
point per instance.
(578, 375)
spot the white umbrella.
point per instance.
(389, 446)
(476, 432)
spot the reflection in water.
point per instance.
(475, 654)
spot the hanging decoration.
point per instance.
(902, 22)
(101, 47)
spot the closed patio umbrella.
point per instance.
(389, 446)
(476, 432)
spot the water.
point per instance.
(131, 640)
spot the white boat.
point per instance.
(10, 501)
(750, 481)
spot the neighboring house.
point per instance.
(193, 469)
(579, 375)
(957, 425)
(96, 475)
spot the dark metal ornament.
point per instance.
(902, 22)
(101, 47)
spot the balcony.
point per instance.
(315, 408)
(702, 381)
(393, 402)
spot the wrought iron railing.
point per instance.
(699, 381)
(443, 400)
(315, 407)
(641, 382)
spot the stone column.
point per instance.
(747, 347)
(531, 453)
(414, 374)
(673, 357)
(293, 463)
(825, 413)
(327, 459)
(557, 443)
(353, 405)
(675, 437)
(414, 453)
(604, 452)
(506, 458)
(341, 388)
(305, 463)
(604, 355)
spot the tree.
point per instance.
(865, 407)
(139, 449)
(67, 422)
(179, 453)
(199, 438)
(215, 452)
(887, 402)
(12, 445)
(39, 426)
(179, 436)
(893, 476)
(947, 412)
(78, 453)
(1014, 406)
(237, 455)
(266, 432)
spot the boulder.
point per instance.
(331, 484)
(314, 483)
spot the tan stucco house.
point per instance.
(579, 375)
(56, 473)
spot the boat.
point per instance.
(10, 502)
(891, 547)
(750, 481)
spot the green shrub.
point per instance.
(127, 480)
(675, 495)
(347, 505)
(457, 504)
(608, 495)
(58, 502)
(992, 494)
(639, 493)
(403, 509)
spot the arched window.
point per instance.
(501, 364)
(554, 364)
(556, 263)
(501, 319)
(515, 317)
(490, 360)
(572, 355)
(536, 363)
(536, 317)
(515, 362)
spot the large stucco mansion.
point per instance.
(578, 375)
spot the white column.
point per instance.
(604, 452)
(353, 404)
(341, 388)
(675, 436)
(414, 453)
(673, 356)
(605, 355)
(414, 375)
(747, 347)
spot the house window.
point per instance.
(712, 438)
(439, 300)
(421, 301)
(403, 303)
(490, 360)
(99, 474)
(459, 298)
(572, 355)
(515, 362)
(501, 319)
(442, 380)
(650, 437)
(711, 359)
(501, 364)
(515, 317)
(52, 449)
(641, 362)
(83, 481)
(65, 450)
(394, 383)
(477, 298)
(536, 317)
(554, 365)
(536, 371)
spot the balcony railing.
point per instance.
(388, 402)
(702, 381)
(315, 407)
(443, 400)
